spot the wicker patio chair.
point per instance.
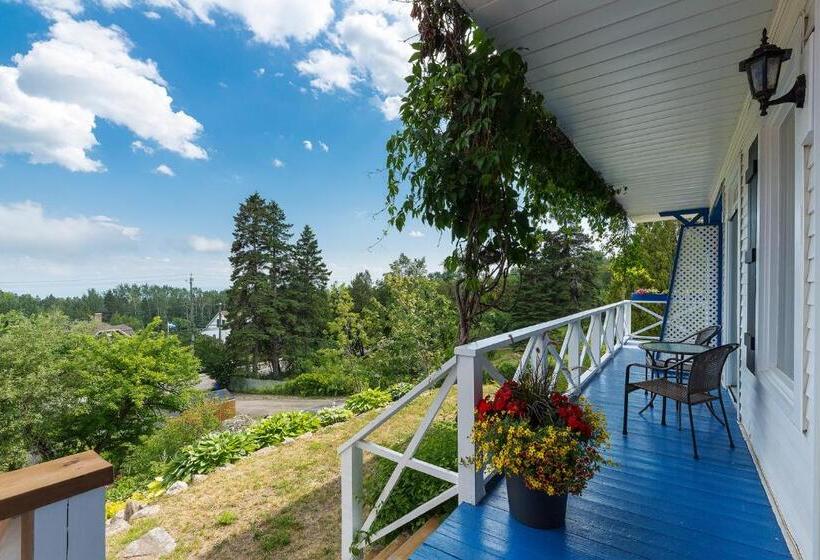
(701, 387)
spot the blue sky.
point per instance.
(130, 131)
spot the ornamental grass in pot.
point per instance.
(547, 446)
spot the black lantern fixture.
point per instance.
(763, 71)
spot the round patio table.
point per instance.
(680, 350)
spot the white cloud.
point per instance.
(57, 8)
(325, 147)
(278, 163)
(373, 45)
(48, 131)
(88, 68)
(140, 146)
(151, 14)
(415, 233)
(259, 72)
(28, 230)
(329, 70)
(308, 145)
(389, 106)
(207, 244)
(270, 21)
(163, 169)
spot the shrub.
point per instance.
(439, 447)
(398, 390)
(367, 400)
(210, 452)
(217, 359)
(226, 518)
(333, 415)
(274, 429)
(318, 384)
(150, 457)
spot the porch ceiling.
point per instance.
(648, 90)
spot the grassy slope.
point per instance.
(286, 503)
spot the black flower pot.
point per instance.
(535, 508)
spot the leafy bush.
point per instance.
(439, 447)
(333, 415)
(367, 400)
(217, 359)
(398, 390)
(210, 452)
(274, 429)
(318, 384)
(149, 458)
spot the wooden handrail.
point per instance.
(33, 487)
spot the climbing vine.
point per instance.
(480, 156)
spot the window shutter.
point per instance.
(751, 260)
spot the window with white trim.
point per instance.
(783, 292)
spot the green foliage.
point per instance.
(561, 278)
(63, 391)
(217, 359)
(318, 384)
(398, 390)
(150, 457)
(226, 518)
(257, 304)
(439, 447)
(307, 283)
(481, 157)
(208, 453)
(333, 415)
(368, 400)
(125, 386)
(645, 260)
(274, 429)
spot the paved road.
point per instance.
(264, 405)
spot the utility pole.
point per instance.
(191, 306)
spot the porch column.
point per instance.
(470, 390)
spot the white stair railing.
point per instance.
(590, 339)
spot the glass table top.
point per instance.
(674, 348)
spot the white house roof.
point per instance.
(648, 90)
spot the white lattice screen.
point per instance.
(695, 293)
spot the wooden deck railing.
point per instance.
(55, 510)
(588, 340)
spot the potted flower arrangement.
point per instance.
(547, 445)
(649, 295)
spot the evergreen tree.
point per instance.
(561, 278)
(257, 299)
(307, 294)
(361, 290)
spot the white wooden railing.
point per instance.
(590, 339)
(55, 510)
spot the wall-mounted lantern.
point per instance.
(763, 71)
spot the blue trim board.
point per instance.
(698, 215)
(656, 502)
(716, 213)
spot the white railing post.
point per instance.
(470, 390)
(627, 319)
(619, 324)
(609, 330)
(574, 350)
(351, 499)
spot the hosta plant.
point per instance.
(274, 429)
(333, 415)
(368, 400)
(208, 453)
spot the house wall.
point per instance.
(778, 414)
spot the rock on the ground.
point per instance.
(306, 435)
(288, 441)
(150, 546)
(264, 451)
(177, 487)
(197, 478)
(147, 511)
(116, 525)
(237, 423)
(132, 507)
(226, 467)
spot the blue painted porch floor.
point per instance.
(657, 502)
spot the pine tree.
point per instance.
(308, 295)
(257, 299)
(562, 278)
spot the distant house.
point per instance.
(216, 327)
(101, 328)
